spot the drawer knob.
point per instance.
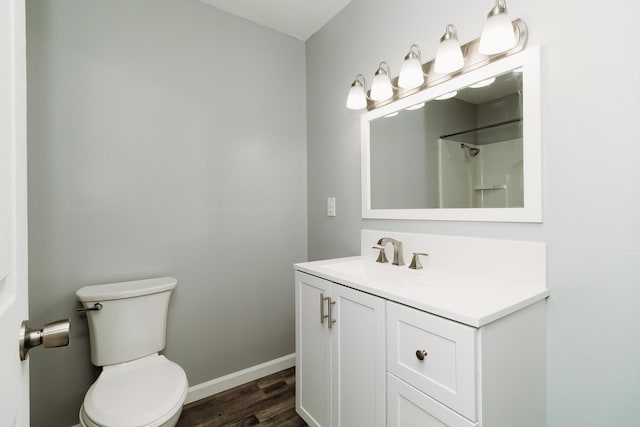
(421, 354)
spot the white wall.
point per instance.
(591, 105)
(165, 138)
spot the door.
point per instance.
(313, 350)
(14, 386)
(359, 359)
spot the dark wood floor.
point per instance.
(269, 401)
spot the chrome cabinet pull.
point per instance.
(331, 319)
(421, 354)
(322, 315)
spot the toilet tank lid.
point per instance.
(129, 289)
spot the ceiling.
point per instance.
(297, 18)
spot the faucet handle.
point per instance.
(415, 261)
(382, 256)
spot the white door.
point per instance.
(14, 374)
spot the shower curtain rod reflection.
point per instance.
(506, 122)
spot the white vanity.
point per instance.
(461, 342)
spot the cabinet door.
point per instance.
(358, 348)
(313, 351)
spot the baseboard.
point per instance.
(209, 388)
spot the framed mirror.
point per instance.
(467, 149)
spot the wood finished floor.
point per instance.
(268, 401)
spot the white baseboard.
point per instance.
(209, 388)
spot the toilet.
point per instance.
(127, 330)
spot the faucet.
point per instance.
(398, 258)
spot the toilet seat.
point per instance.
(143, 392)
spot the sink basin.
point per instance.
(368, 270)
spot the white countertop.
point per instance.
(472, 299)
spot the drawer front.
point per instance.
(408, 407)
(447, 372)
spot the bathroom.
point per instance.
(167, 137)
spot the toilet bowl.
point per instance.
(127, 328)
(146, 392)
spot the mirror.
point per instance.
(466, 149)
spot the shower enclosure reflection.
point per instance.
(462, 151)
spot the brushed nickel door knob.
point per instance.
(54, 334)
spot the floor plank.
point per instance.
(268, 401)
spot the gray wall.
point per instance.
(165, 138)
(590, 106)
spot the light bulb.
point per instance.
(498, 35)
(449, 57)
(411, 75)
(381, 86)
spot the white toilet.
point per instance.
(127, 328)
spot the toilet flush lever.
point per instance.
(96, 307)
(55, 334)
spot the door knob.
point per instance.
(54, 334)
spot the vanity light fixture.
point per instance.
(357, 98)
(483, 83)
(411, 74)
(500, 38)
(381, 88)
(449, 57)
(447, 96)
(498, 33)
(416, 106)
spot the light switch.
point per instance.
(331, 206)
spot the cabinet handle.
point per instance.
(421, 354)
(331, 319)
(322, 315)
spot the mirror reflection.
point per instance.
(461, 150)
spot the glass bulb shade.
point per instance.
(381, 87)
(395, 113)
(498, 35)
(357, 99)
(449, 57)
(411, 75)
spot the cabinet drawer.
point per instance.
(408, 407)
(447, 372)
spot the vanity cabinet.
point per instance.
(382, 363)
(340, 354)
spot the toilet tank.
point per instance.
(132, 322)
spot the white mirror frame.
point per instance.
(529, 60)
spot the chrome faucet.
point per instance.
(398, 257)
